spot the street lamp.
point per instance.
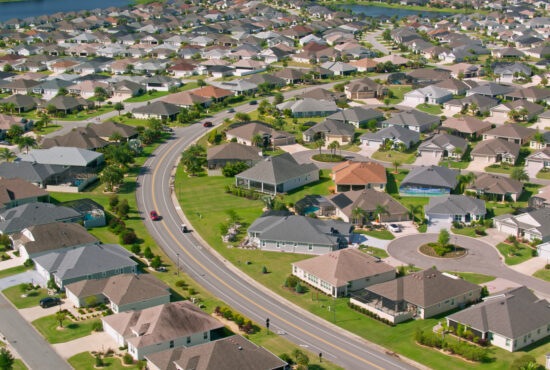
(178, 255)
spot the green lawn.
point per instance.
(455, 164)
(32, 299)
(467, 231)
(47, 130)
(543, 274)
(398, 92)
(86, 361)
(13, 271)
(522, 255)
(159, 94)
(19, 365)
(47, 326)
(429, 108)
(376, 252)
(473, 277)
(380, 234)
(407, 157)
(543, 174)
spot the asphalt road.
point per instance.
(298, 326)
(30, 345)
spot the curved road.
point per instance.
(300, 327)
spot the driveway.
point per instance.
(371, 241)
(436, 225)
(30, 276)
(97, 341)
(427, 159)
(532, 168)
(294, 148)
(367, 151)
(477, 165)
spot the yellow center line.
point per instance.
(272, 314)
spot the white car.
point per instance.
(394, 228)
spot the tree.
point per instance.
(135, 249)
(156, 262)
(118, 107)
(278, 98)
(319, 143)
(60, 316)
(380, 210)
(194, 159)
(257, 140)
(472, 107)
(6, 358)
(62, 91)
(147, 253)
(111, 176)
(242, 117)
(514, 115)
(539, 137)
(15, 132)
(7, 155)
(333, 147)
(26, 142)
(358, 215)
(519, 174)
(444, 238)
(116, 137)
(396, 164)
(7, 68)
(200, 82)
(123, 209)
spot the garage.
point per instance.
(506, 228)
(438, 222)
(543, 250)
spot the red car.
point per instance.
(207, 124)
(154, 216)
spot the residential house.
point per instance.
(539, 159)
(298, 234)
(365, 88)
(309, 107)
(158, 109)
(34, 241)
(221, 155)
(502, 111)
(357, 116)
(352, 175)
(342, 272)
(22, 103)
(532, 94)
(16, 219)
(491, 90)
(67, 103)
(79, 137)
(529, 225)
(495, 151)
(413, 120)
(36, 173)
(474, 103)
(455, 87)
(127, 89)
(397, 135)
(63, 156)
(339, 68)
(510, 320)
(511, 132)
(496, 187)
(427, 95)
(444, 145)
(422, 294)
(159, 328)
(510, 72)
(106, 129)
(186, 99)
(215, 93)
(246, 132)
(15, 192)
(429, 181)
(277, 174)
(233, 352)
(466, 126)
(125, 292)
(330, 131)
(454, 208)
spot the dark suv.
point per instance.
(49, 302)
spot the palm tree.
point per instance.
(519, 174)
(457, 152)
(257, 140)
(333, 147)
(396, 164)
(473, 108)
(358, 215)
(414, 209)
(26, 142)
(319, 144)
(6, 155)
(379, 210)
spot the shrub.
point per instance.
(28, 263)
(291, 281)
(98, 361)
(113, 201)
(128, 237)
(300, 289)
(180, 283)
(135, 248)
(97, 326)
(286, 358)
(147, 253)
(264, 270)
(191, 291)
(127, 359)
(156, 262)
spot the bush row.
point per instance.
(462, 349)
(243, 323)
(243, 193)
(364, 311)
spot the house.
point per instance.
(127, 89)
(464, 69)
(444, 145)
(309, 107)
(466, 126)
(491, 90)
(330, 131)
(529, 225)
(158, 109)
(298, 234)
(36, 173)
(413, 120)
(290, 75)
(92, 213)
(422, 294)
(245, 133)
(480, 102)
(427, 95)
(342, 272)
(186, 99)
(429, 181)
(511, 132)
(34, 241)
(510, 72)
(339, 68)
(455, 208)
(510, 320)
(365, 88)
(367, 200)
(397, 135)
(159, 328)
(15, 219)
(23, 103)
(357, 116)
(496, 187)
(277, 174)
(233, 352)
(502, 111)
(219, 156)
(532, 94)
(68, 103)
(215, 93)
(352, 175)
(106, 129)
(79, 137)
(455, 87)
(125, 292)
(15, 192)
(495, 151)
(84, 262)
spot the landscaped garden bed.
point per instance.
(453, 252)
(328, 157)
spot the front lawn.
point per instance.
(543, 174)
(47, 130)
(393, 155)
(511, 257)
(373, 251)
(85, 361)
(462, 165)
(398, 92)
(473, 277)
(468, 231)
(379, 234)
(32, 298)
(47, 326)
(429, 108)
(543, 274)
(13, 271)
(158, 94)
(19, 365)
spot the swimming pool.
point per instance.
(310, 209)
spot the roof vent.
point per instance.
(240, 348)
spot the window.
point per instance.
(263, 243)
(205, 335)
(507, 341)
(310, 247)
(278, 245)
(171, 344)
(188, 340)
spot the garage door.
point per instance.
(506, 229)
(543, 250)
(438, 218)
(373, 144)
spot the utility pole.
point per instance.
(267, 324)
(333, 308)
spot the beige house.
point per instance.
(341, 272)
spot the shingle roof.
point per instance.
(234, 151)
(18, 189)
(467, 125)
(412, 117)
(453, 204)
(367, 200)
(66, 156)
(32, 172)
(356, 114)
(494, 184)
(30, 214)
(332, 127)
(359, 173)
(107, 128)
(511, 130)
(393, 133)
(80, 137)
(277, 169)
(159, 108)
(431, 176)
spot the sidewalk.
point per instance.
(12, 262)
(530, 266)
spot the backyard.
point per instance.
(398, 92)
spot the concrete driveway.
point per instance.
(30, 276)
(370, 241)
(478, 165)
(428, 159)
(294, 148)
(367, 151)
(436, 225)
(97, 341)
(532, 168)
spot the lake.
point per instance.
(33, 8)
(377, 11)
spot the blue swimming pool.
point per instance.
(310, 209)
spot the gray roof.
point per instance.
(159, 108)
(393, 133)
(412, 117)
(432, 176)
(234, 151)
(455, 205)
(335, 128)
(356, 114)
(300, 229)
(513, 314)
(444, 141)
(494, 147)
(65, 156)
(30, 214)
(277, 169)
(308, 105)
(32, 172)
(86, 260)
(494, 184)
(491, 89)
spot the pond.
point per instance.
(33, 8)
(377, 11)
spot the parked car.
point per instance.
(49, 302)
(207, 124)
(253, 102)
(231, 110)
(154, 216)
(394, 228)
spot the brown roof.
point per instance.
(363, 63)
(49, 237)
(212, 92)
(367, 200)
(494, 184)
(107, 128)
(14, 189)
(512, 130)
(162, 323)
(340, 267)
(359, 173)
(234, 352)
(248, 130)
(81, 137)
(423, 288)
(185, 98)
(493, 147)
(234, 151)
(121, 289)
(467, 125)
